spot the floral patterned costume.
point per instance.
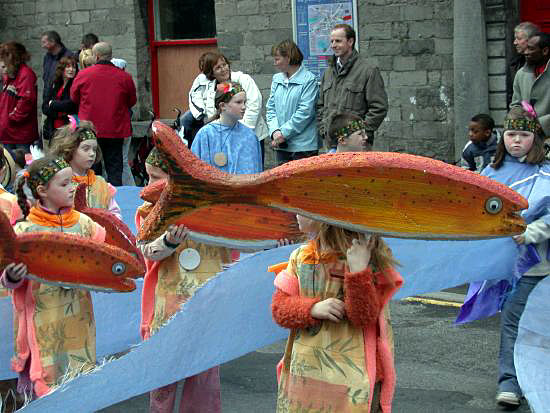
(99, 193)
(54, 326)
(327, 366)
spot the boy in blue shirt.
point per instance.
(480, 150)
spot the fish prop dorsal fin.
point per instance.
(391, 194)
(117, 232)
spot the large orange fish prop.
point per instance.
(117, 232)
(391, 194)
(69, 260)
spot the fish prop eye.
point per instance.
(118, 268)
(493, 205)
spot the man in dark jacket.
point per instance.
(350, 84)
(55, 50)
(104, 95)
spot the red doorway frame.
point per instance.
(155, 44)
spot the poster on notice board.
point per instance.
(312, 21)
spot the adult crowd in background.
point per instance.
(299, 110)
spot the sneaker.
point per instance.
(508, 400)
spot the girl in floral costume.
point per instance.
(176, 268)
(54, 326)
(77, 144)
(333, 296)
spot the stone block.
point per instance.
(231, 39)
(79, 17)
(434, 78)
(25, 21)
(384, 47)
(263, 81)
(248, 7)
(55, 19)
(380, 14)
(281, 20)
(259, 22)
(377, 31)
(496, 48)
(227, 8)
(98, 15)
(103, 4)
(252, 53)
(497, 83)
(496, 66)
(85, 4)
(498, 117)
(29, 7)
(231, 53)
(433, 61)
(497, 101)
(69, 5)
(496, 31)
(444, 10)
(429, 29)
(404, 63)
(426, 129)
(413, 12)
(53, 6)
(412, 78)
(263, 37)
(495, 15)
(443, 46)
(414, 47)
(125, 13)
(400, 30)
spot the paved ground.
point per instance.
(441, 368)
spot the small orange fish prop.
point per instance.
(391, 194)
(117, 232)
(69, 260)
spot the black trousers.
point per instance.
(111, 150)
(284, 156)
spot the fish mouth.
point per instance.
(515, 222)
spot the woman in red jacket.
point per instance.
(18, 114)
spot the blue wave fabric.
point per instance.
(532, 349)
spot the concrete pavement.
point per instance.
(441, 368)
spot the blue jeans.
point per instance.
(509, 321)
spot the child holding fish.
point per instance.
(77, 144)
(334, 296)
(176, 268)
(55, 328)
(225, 142)
(520, 164)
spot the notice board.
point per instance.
(312, 21)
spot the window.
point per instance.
(184, 19)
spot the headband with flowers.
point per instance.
(353, 126)
(155, 158)
(229, 89)
(529, 124)
(44, 174)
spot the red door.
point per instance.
(536, 11)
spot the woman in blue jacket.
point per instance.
(291, 105)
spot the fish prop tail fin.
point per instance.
(7, 241)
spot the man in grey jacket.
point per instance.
(532, 81)
(350, 84)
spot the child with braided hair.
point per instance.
(77, 144)
(54, 326)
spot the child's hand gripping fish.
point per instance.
(69, 260)
(391, 194)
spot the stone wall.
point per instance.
(410, 40)
(119, 22)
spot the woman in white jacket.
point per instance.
(216, 69)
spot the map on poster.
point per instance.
(313, 20)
